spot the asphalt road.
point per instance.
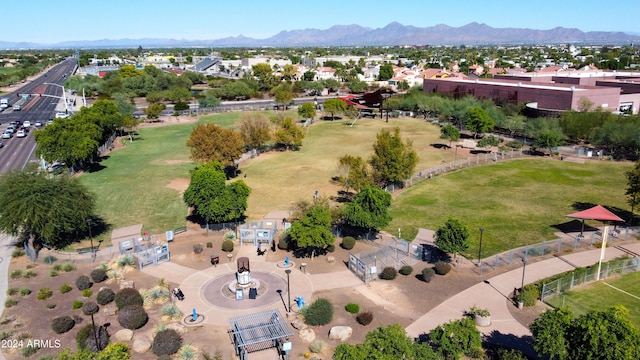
(40, 105)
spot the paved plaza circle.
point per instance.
(217, 293)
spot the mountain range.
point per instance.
(394, 34)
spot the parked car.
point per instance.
(21, 133)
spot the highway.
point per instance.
(40, 105)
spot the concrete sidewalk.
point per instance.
(493, 294)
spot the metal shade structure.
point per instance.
(259, 331)
(598, 213)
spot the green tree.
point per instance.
(334, 106)
(307, 111)
(208, 100)
(72, 141)
(284, 97)
(210, 142)
(393, 160)
(452, 237)
(353, 172)
(254, 129)
(289, 134)
(181, 106)
(478, 121)
(313, 231)
(46, 210)
(212, 198)
(386, 343)
(456, 338)
(129, 124)
(369, 210)
(488, 141)
(550, 333)
(633, 188)
(154, 110)
(549, 139)
(386, 72)
(264, 73)
(449, 132)
(357, 86)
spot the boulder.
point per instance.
(307, 335)
(109, 310)
(127, 284)
(298, 324)
(141, 345)
(124, 335)
(179, 328)
(341, 333)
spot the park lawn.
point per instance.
(517, 202)
(597, 296)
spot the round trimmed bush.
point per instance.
(85, 339)
(330, 248)
(406, 270)
(352, 308)
(442, 268)
(65, 288)
(62, 324)
(98, 275)
(320, 312)
(283, 243)
(365, 318)
(90, 308)
(388, 273)
(227, 246)
(348, 242)
(428, 274)
(166, 342)
(105, 296)
(132, 317)
(83, 282)
(127, 297)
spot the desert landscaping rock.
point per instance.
(110, 310)
(179, 328)
(341, 333)
(141, 345)
(127, 284)
(307, 335)
(124, 335)
(298, 324)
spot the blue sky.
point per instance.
(47, 21)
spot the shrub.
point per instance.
(320, 312)
(352, 308)
(56, 267)
(283, 243)
(65, 288)
(12, 291)
(406, 270)
(428, 274)
(83, 282)
(330, 248)
(62, 324)
(509, 354)
(126, 260)
(209, 245)
(166, 342)
(127, 297)
(230, 235)
(86, 339)
(29, 274)
(318, 346)
(227, 246)
(44, 294)
(53, 273)
(87, 293)
(17, 253)
(105, 296)
(156, 294)
(365, 318)
(77, 304)
(25, 291)
(83, 334)
(187, 352)
(51, 306)
(442, 268)
(531, 295)
(197, 248)
(29, 350)
(132, 317)
(171, 311)
(10, 302)
(98, 275)
(388, 273)
(50, 259)
(67, 267)
(348, 242)
(16, 274)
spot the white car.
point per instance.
(26, 124)
(38, 123)
(21, 134)
(7, 135)
(61, 115)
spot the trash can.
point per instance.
(215, 259)
(303, 267)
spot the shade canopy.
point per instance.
(596, 213)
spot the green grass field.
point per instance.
(516, 201)
(598, 296)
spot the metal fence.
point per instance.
(556, 246)
(582, 276)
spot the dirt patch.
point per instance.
(180, 184)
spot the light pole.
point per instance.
(288, 271)
(64, 96)
(524, 267)
(480, 248)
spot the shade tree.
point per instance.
(393, 160)
(211, 142)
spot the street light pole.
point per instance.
(480, 248)
(64, 96)
(288, 271)
(524, 267)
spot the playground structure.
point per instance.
(393, 253)
(258, 233)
